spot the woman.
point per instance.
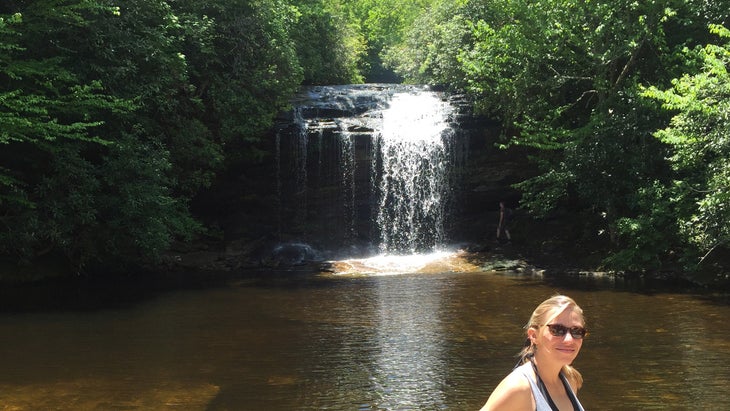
(543, 379)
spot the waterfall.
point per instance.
(368, 167)
(413, 173)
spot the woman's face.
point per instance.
(562, 349)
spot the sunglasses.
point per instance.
(560, 330)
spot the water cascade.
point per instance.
(411, 179)
(368, 169)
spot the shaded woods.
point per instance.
(117, 118)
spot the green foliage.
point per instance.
(431, 48)
(140, 104)
(549, 66)
(42, 100)
(546, 192)
(560, 75)
(645, 234)
(384, 24)
(247, 67)
(63, 119)
(141, 215)
(329, 46)
(564, 77)
(699, 135)
(114, 116)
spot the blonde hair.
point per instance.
(543, 314)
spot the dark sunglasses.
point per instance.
(560, 330)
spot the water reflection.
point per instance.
(664, 352)
(424, 341)
(409, 361)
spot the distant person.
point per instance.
(505, 215)
(543, 379)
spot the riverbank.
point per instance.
(551, 248)
(212, 266)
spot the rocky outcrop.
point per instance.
(254, 219)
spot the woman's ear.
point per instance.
(532, 335)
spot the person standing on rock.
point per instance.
(505, 215)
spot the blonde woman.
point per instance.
(544, 379)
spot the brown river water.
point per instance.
(418, 341)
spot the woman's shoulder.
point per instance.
(513, 393)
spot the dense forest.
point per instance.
(115, 115)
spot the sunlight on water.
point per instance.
(286, 341)
(385, 264)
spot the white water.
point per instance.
(401, 139)
(414, 179)
(385, 264)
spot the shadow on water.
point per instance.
(635, 284)
(99, 293)
(111, 292)
(92, 294)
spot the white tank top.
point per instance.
(542, 399)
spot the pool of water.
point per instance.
(426, 341)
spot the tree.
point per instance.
(429, 53)
(564, 78)
(329, 46)
(51, 120)
(384, 24)
(246, 68)
(699, 137)
(135, 104)
(139, 54)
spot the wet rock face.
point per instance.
(363, 103)
(342, 153)
(334, 102)
(309, 192)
